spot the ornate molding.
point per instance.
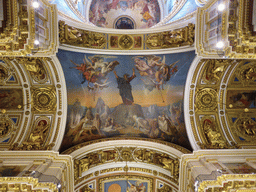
(88, 39)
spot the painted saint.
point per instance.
(125, 88)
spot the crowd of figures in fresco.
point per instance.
(146, 12)
(127, 118)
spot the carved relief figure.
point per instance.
(214, 137)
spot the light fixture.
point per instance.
(36, 42)
(59, 185)
(35, 4)
(221, 7)
(220, 44)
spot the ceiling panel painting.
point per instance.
(122, 14)
(129, 96)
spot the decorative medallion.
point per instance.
(44, 99)
(245, 127)
(206, 99)
(126, 42)
(6, 126)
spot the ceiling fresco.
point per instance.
(136, 96)
(141, 14)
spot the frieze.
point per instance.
(129, 154)
(88, 39)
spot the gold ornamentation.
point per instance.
(82, 38)
(86, 189)
(245, 127)
(247, 73)
(229, 182)
(40, 131)
(44, 99)
(210, 131)
(126, 42)
(88, 39)
(36, 68)
(165, 188)
(6, 126)
(169, 39)
(25, 184)
(212, 72)
(4, 73)
(127, 154)
(206, 99)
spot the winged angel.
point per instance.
(94, 70)
(154, 70)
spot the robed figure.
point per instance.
(125, 88)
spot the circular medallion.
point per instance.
(44, 99)
(126, 42)
(206, 99)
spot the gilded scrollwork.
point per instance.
(82, 38)
(169, 39)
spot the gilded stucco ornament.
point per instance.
(35, 67)
(245, 127)
(44, 99)
(206, 99)
(88, 39)
(126, 42)
(25, 184)
(4, 74)
(230, 182)
(212, 133)
(247, 73)
(6, 126)
(213, 71)
(128, 154)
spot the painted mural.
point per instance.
(126, 185)
(11, 98)
(124, 14)
(133, 96)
